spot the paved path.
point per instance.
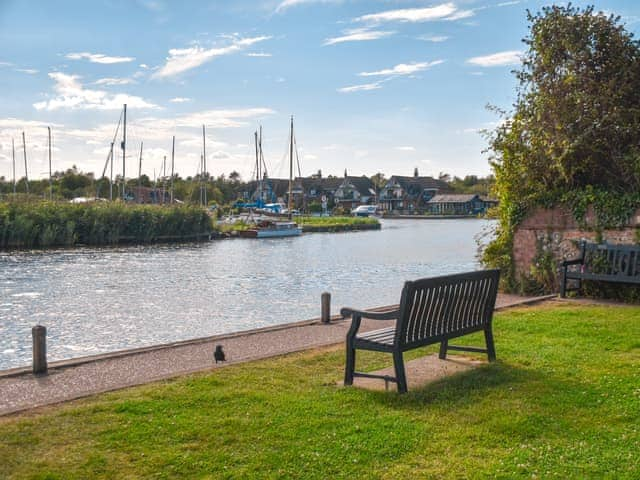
(78, 378)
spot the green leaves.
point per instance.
(574, 134)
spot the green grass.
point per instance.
(336, 221)
(563, 401)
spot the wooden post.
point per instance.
(39, 334)
(326, 307)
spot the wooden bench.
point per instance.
(602, 262)
(432, 310)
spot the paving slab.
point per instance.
(420, 372)
(71, 379)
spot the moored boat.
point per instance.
(272, 229)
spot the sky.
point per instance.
(373, 86)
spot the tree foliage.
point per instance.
(577, 115)
(574, 132)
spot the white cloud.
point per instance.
(98, 58)
(20, 124)
(406, 149)
(29, 71)
(114, 81)
(285, 4)
(72, 95)
(358, 35)
(445, 11)
(402, 69)
(511, 57)
(433, 38)
(6, 64)
(180, 100)
(258, 54)
(183, 59)
(361, 88)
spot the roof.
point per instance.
(362, 184)
(418, 184)
(453, 198)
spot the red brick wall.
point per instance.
(556, 229)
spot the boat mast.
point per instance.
(173, 152)
(13, 154)
(111, 175)
(26, 175)
(164, 178)
(255, 134)
(289, 207)
(124, 148)
(50, 181)
(203, 194)
(140, 175)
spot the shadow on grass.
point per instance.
(462, 388)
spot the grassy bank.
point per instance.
(49, 224)
(563, 401)
(337, 224)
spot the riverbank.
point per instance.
(541, 411)
(44, 224)
(309, 224)
(79, 377)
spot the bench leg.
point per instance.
(398, 364)
(443, 349)
(491, 349)
(563, 283)
(350, 364)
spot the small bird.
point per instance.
(219, 354)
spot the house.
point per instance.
(458, 204)
(410, 193)
(354, 191)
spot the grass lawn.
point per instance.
(336, 221)
(563, 401)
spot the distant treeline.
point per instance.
(221, 190)
(48, 224)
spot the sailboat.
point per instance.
(269, 228)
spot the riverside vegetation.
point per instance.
(545, 409)
(43, 224)
(47, 224)
(572, 139)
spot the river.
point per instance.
(96, 300)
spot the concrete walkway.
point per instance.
(67, 380)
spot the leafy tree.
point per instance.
(575, 127)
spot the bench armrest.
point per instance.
(575, 261)
(351, 312)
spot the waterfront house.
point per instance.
(410, 194)
(354, 191)
(458, 204)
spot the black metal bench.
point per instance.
(603, 262)
(432, 310)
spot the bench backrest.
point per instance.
(446, 306)
(611, 260)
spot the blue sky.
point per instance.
(373, 86)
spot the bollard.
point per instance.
(326, 307)
(39, 334)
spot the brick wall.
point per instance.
(556, 230)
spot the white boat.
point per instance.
(272, 229)
(364, 211)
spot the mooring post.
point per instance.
(39, 334)
(326, 307)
